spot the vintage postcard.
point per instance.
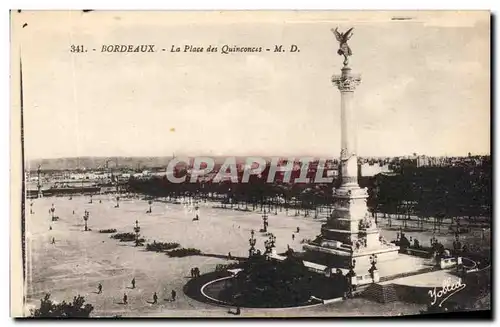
(250, 164)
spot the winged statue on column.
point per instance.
(344, 49)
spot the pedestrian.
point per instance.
(155, 298)
(125, 298)
(192, 272)
(99, 288)
(53, 240)
(73, 211)
(133, 282)
(293, 237)
(50, 227)
(229, 256)
(173, 295)
(238, 310)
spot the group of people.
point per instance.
(404, 242)
(360, 242)
(125, 297)
(195, 272)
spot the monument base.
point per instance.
(342, 259)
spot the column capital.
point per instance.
(346, 82)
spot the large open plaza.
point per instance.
(79, 260)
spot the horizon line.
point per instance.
(251, 155)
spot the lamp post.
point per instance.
(265, 220)
(52, 209)
(137, 229)
(269, 244)
(433, 241)
(196, 211)
(272, 239)
(457, 246)
(150, 203)
(352, 266)
(350, 276)
(39, 182)
(85, 218)
(252, 241)
(373, 269)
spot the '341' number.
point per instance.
(77, 48)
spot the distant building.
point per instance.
(423, 161)
(369, 170)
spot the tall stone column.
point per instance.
(347, 83)
(350, 200)
(350, 237)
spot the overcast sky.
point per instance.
(425, 86)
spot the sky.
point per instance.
(425, 84)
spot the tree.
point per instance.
(268, 283)
(75, 309)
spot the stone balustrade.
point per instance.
(365, 279)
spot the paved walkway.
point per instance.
(430, 279)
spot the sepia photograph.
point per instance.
(250, 164)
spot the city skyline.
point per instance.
(423, 80)
(138, 163)
(408, 155)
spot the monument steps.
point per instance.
(380, 293)
(407, 274)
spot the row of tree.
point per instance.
(438, 192)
